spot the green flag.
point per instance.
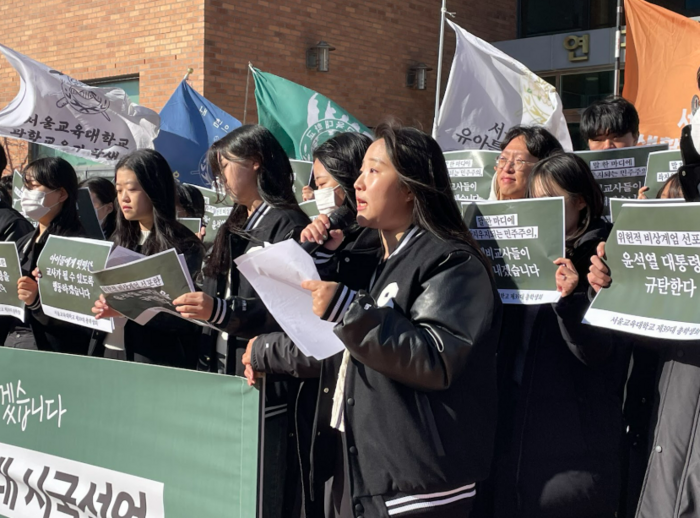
(299, 118)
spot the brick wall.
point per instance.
(157, 40)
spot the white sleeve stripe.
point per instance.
(433, 503)
(338, 304)
(350, 298)
(413, 498)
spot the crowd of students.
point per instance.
(444, 403)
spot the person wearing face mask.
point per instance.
(558, 448)
(103, 194)
(521, 148)
(49, 198)
(190, 204)
(337, 164)
(255, 171)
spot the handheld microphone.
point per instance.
(340, 219)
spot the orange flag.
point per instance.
(661, 70)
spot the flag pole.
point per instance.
(187, 75)
(618, 43)
(438, 86)
(247, 82)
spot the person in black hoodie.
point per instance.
(146, 224)
(337, 164)
(560, 381)
(255, 171)
(49, 197)
(104, 198)
(406, 415)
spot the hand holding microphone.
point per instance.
(327, 231)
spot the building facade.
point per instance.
(146, 47)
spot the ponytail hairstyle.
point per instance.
(157, 181)
(569, 173)
(56, 173)
(275, 179)
(421, 167)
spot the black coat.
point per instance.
(560, 415)
(12, 224)
(420, 391)
(50, 334)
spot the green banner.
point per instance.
(617, 203)
(302, 176)
(89, 437)
(660, 167)
(620, 172)
(654, 257)
(10, 272)
(216, 212)
(143, 288)
(521, 238)
(471, 173)
(193, 224)
(67, 286)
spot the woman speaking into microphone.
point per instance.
(406, 415)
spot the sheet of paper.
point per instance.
(120, 255)
(276, 272)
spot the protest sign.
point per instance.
(617, 203)
(88, 215)
(89, 437)
(660, 167)
(67, 287)
(10, 272)
(141, 289)
(310, 208)
(653, 254)
(620, 173)
(471, 173)
(55, 110)
(17, 189)
(302, 176)
(193, 224)
(521, 238)
(217, 209)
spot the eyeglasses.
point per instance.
(518, 165)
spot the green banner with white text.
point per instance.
(89, 437)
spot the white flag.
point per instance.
(488, 92)
(55, 110)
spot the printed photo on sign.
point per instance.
(522, 239)
(472, 173)
(10, 272)
(653, 254)
(620, 173)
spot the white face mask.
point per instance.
(33, 203)
(325, 199)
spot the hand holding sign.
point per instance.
(27, 290)
(599, 276)
(196, 305)
(566, 276)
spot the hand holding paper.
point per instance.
(277, 273)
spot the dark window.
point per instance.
(578, 91)
(540, 17)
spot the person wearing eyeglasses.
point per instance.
(521, 149)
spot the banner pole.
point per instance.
(247, 82)
(441, 50)
(618, 43)
(261, 446)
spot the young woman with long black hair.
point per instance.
(49, 197)
(336, 167)
(104, 196)
(406, 415)
(146, 224)
(560, 381)
(254, 170)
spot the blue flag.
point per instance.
(189, 124)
